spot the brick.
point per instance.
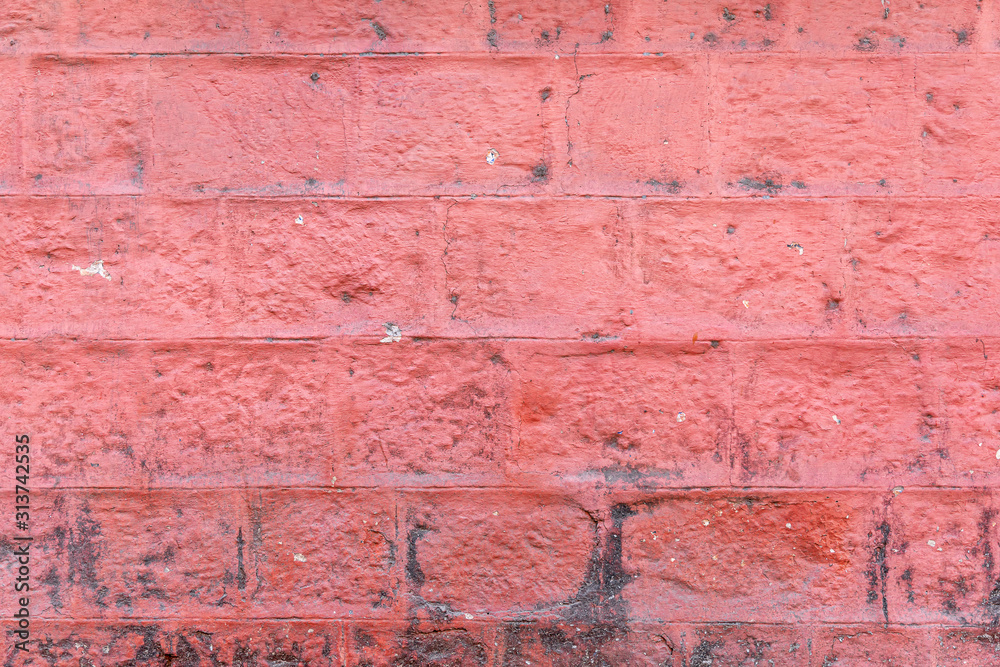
(454, 640)
(87, 127)
(911, 25)
(11, 131)
(518, 552)
(177, 554)
(691, 25)
(173, 414)
(250, 125)
(940, 557)
(739, 268)
(157, 26)
(647, 416)
(635, 125)
(422, 412)
(904, 280)
(536, 267)
(427, 125)
(814, 126)
(370, 27)
(350, 267)
(844, 414)
(732, 554)
(27, 26)
(243, 268)
(958, 116)
(201, 641)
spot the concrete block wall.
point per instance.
(700, 367)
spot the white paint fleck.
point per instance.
(298, 221)
(836, 419)
(97, 269)
(998, 453)
(788, 525)
(392, 333)
(681, 416)
(705, 522)
(469, 617)
(746, 304)
(491, 156)
(897, 490)
(796, 246)
(299, 557)
(931, 543)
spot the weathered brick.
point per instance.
(11, 131)
(27, 26)
(635, 125)
(814, 126)
(250, 125)
(174, 554)
(830, 414)
(159, 26)
(957, 115)
(246, 267)
(739, 268)
(922, 266)
(86, 125)
(730, 555)
(536, 267)
(422, 412)
(426, 125)
(653, 415)
(170, 413)
(694, 25)
(349, 267)
(892, 27)
(520, 552)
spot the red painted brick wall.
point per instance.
(701, 370)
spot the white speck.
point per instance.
(672, 560)
(931, 543)
(333, 481)
(491, 156)
(705, 522)
(998, 453)
(310, 631)
(298, 221)
(897, 490)
(468, 617)
(97, 269)
(836, 419)
(392, 333)
(557, 56)
(299, 557)
(495, 514)
(166, 569)
(796, 246)
(681, 416)
(788, 525)
(832, 551)
(746, 304)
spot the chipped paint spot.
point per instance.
(836, 419)
(392, 333)
(491, 156)
(299, 557)
(298, 221)
(97, 269)
(681, 416)
(795, 246)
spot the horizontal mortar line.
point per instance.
(167, 196)
(636, 624)
(846, 53)
(632, 339)
(569, 486)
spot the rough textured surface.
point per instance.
(480, 332)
